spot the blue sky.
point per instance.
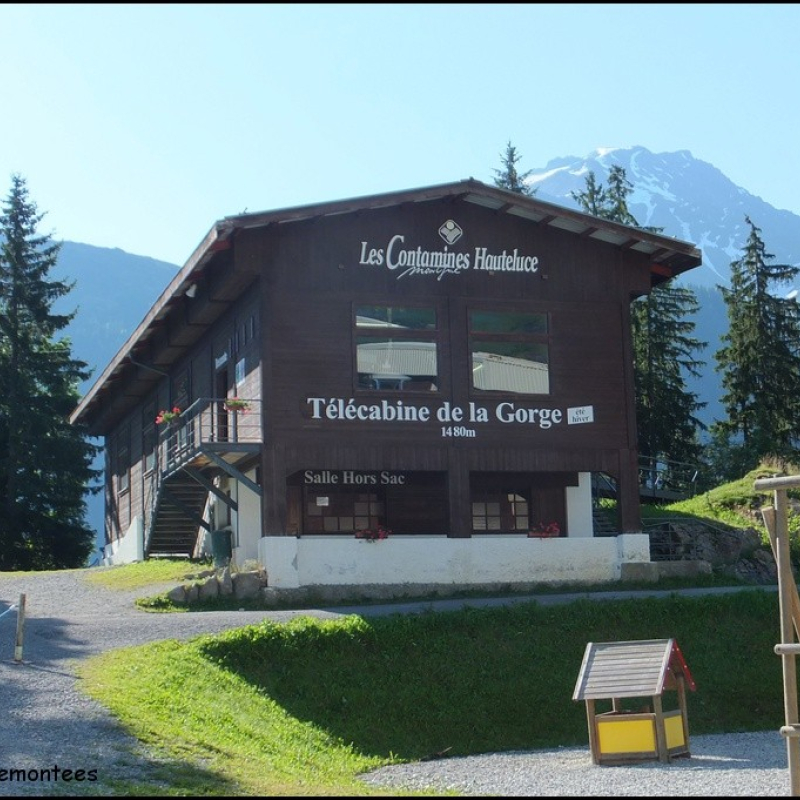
(139, 126)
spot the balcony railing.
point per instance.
(664, 478)
(216, 423)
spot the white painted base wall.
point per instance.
(127, 549)
(293, 562)
(326, 560)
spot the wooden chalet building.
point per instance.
(452, 363)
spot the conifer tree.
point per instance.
(664, 354)
(508, 177)
(663, 346)
(759, 360)
(619, 187)
(593, 198)
(45, 462)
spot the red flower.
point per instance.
(544, 530)
(373, 535)
(168, 416)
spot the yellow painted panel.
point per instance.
(626, 736)
(673, 726)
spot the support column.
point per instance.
(629, 510)
(459, 496)
(273, 498)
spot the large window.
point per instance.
(510, 352)
(396, 348)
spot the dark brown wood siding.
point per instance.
(281, 300)
(312, 281)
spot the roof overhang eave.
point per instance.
(216, 239)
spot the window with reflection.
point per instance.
(509, 351)
(396, 348)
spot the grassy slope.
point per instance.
(302, 708)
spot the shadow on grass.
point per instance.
(142, 777)
(42, 726)
(489, 680)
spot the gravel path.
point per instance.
(45, 720)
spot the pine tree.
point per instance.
(45, 463)
(593, 199)
(664, 351)
(508, 177)
(759, 360)
(663, 346)
(619, 187)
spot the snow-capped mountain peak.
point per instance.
(687, 198)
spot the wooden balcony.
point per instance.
(210, 430)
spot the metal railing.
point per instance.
(151, 503)
(676, 538)
(208, 421)
(660, 477)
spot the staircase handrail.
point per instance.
(655, 525)
(719, 527)
(151, 499)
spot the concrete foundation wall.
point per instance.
(127, 549)
(292, 562)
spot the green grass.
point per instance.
(144, 573)
(733, 505)
(160, 603)
(302, 708)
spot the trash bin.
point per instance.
(221, 548)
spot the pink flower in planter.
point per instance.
(373, 534)
(544, 530)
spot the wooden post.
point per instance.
(768, 515)
(661, 733)
(785, 583)
(684, 710)
(591, 718)
(20, 629)
(786, 588)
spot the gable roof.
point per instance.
(630, 669)
(669, 257)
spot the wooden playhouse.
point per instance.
(625, 674)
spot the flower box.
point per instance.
(236, 405)
(373, 534)
(545, 530)
(166, 417)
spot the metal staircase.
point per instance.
(660, 480)
(178, 517)
(210, 438)
(602, 524)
